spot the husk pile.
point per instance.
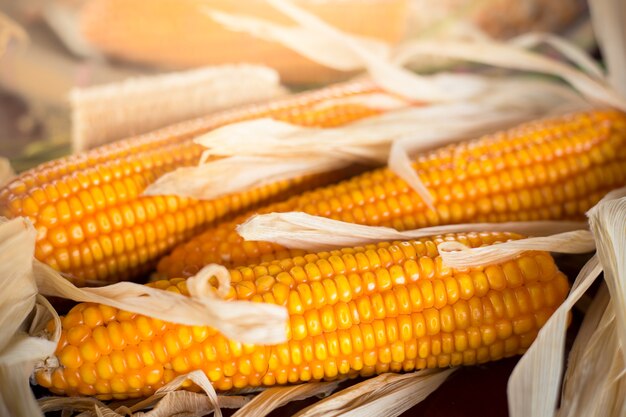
(594, 379)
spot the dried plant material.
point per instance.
(331, 47)
(6, 171)
(457, 255)
(272, 398)
(145, 103)
(261, 151)
(62, 17)
(387, 395)
(298, 230)
(242, 321)
(18, 351)
(608, 223)
(306, 42)
(593, 384)
(608, 17)
(9, 29)
(506, 56)
(534, 383)
(388, 72)
(168, 401)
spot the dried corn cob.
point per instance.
(91, 219)
(357, 311)
(549, 169)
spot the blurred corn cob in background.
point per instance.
(356, 311)
(174, 34)
(177, 34)
(547, 169)
(91, 219)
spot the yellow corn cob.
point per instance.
(357, 311)
(91, 219)
(178, 34)
(549, 169)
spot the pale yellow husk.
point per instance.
(386, 395)
(313, 233)
(168, 401)
(10, 30)
(6, 171)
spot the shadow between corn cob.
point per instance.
(356, 311)
(552, 169)
(94, 225)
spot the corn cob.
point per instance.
(91, 219)
(177, 34)
(356, 311)
(549, 169)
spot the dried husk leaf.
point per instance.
(272, 398)
(308, 43)
(6, 171)
(390, 75)
(348, 52)
(243, 321)
(260, 151)
(62, 17)
(299, 230)
(9, 29)
(608, 224)
(608, 17)
(594, 379)
(387, 395)
(149, 102)
(457, 255)
(534, 383)
(18, 351)
(167, 401)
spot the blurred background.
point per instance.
(52, 47)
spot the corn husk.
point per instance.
(10, 30)
(387, 395)
(167, 401)
(6, 171)
(313, 233)
(468, 105)
(145, 103)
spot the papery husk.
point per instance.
(18, 351)
(594, 380)
(6, 171)
(608, 17)
(145, 103)
(243, 321)
(261, 151)
(272, 398)
(10, 30)
(167, 401)
(298, 230)
(387, 395)
(534, 384)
